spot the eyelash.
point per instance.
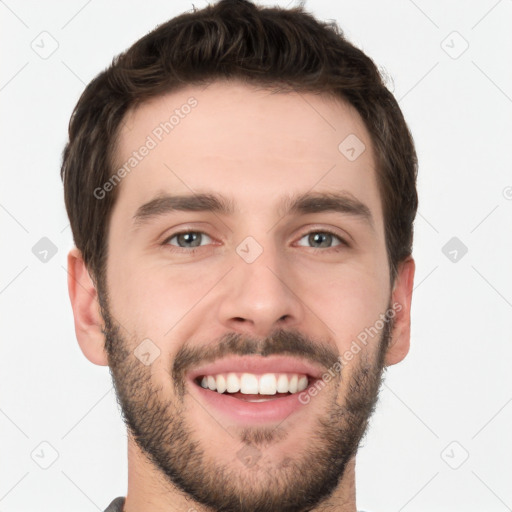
(192, 250)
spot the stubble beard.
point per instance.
(299, 482)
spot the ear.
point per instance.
(86, 310)
(401, 296)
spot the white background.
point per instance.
(455, 384)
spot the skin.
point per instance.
(254, 147)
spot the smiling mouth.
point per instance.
(252, 387)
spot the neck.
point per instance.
(150, 491)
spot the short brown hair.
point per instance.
(279, 49)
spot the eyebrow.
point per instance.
(165, 204)
(319, 202)
(301, 204)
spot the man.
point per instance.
(241, 189)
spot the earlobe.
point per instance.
(401, 301)
(86, 310)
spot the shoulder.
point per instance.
(116, 505)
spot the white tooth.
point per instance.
(204, 383)
(221, 383)
(292, 384)
(249, 384)
(282, 383)
(268, 384)
(232, 383)
(302, 384)
(211, 383)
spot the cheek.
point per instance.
(154, 298)
(347, 301)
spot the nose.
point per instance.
(258, 297)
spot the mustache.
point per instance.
(290, 342)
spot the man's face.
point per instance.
(262, 295)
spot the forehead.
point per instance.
(249, 144)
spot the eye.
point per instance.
(188, 239)
(322, 240)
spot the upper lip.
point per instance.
(257, 364)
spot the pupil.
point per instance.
(320, 238)
(189, 238)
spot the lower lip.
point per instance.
(273, 410)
